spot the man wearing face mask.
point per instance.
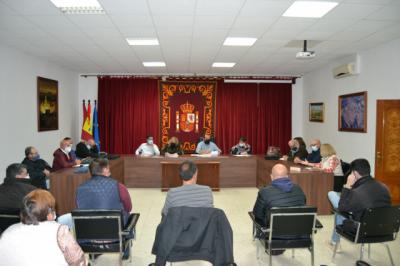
(62, 156)
(148, 148)
(242, 148)
(315, 155)
(207, 146)
(87, 148)
(38, 169)
(16, 185)
(359, 193)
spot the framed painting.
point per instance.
(47, 98)
(352, 115)
(316, 112)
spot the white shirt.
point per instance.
(147, 150)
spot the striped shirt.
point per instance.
(189, 196)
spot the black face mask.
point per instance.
(172, 145)
(207, 141)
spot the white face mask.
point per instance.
(150, 142)
(68, 149)
(314, 148)
(88, 146)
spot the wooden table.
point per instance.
(208, 174)
(64, 182)
(315, 183)
(146, 172)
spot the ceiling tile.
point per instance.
(162, 7)
(351, 11)
(212, 7)
(133, 7)
(33, 7)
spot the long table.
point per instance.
(141, 172)
(64, 182)
(315, 183)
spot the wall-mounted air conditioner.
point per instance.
(346, 70)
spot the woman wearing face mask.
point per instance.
(172, 148)
(62, 156)
(298, 152)
(330, 162)
(38, 239)
(148, 148)
(242, 148)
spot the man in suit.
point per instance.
(359, 193)
(87, 148)
(38, 169)
(62, 156)
(15, 187)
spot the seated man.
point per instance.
(206, 146)
(242, 148)
(280, 193)
(359, 193)
(38, 169)
(101, 191)
(62, 156)
(148, 148)
(315, 155)
(172, 148)
(15, 187)
(87, 148)
(189, 194)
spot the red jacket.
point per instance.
(61, 160)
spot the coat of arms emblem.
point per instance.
(188, 120)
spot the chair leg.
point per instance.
(258, 250)
(292, 253)
(312, 255)
(390, 254)
(335, 249)
(361, 251)
(270, 255)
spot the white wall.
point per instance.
(18, 106)
(87, 91)
(380, 77)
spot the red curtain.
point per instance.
(128, 112)
(260, 112)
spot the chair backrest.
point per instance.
(286, 221)
(345, 168)
(380, 221)
(97, 224)
(8, 217)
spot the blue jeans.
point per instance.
(334, 198)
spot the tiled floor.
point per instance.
(236, 202)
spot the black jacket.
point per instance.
(12, 192)
(82, 151)
(365, 193)
(189, 233)
(272, 196)
(176, 149)
(35, 170)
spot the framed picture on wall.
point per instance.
(47, 99)
(353, 112)
(316, 112)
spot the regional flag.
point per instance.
(87, 123)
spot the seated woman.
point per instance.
(298, 151)
(329, 162)
(172, 148)
(38, 239)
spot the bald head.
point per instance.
(278, 171)
(315, 142)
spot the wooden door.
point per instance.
(387, 150)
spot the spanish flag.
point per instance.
(87, 122)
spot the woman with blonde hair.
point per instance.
(330, 162)
(172, 148)
(38, 239)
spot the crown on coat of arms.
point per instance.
(187, 107)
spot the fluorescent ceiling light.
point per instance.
(238, 41)
(309, 9)
(154, 64)
(79, 6)
(220, 64)
(133, 41)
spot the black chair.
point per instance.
(377, 225)
(8, 217)
(289, 228)
(102, 231)
(339, 181)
